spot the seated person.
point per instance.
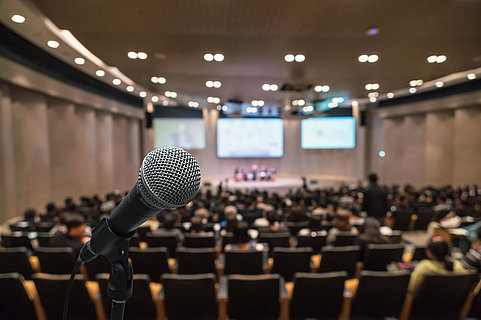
(203, 214)
(340, 224)
(241, 241)
(169, 227)
(74, 237)
(230, 222)
(439, 261)
(197, 225)
(262, 221)
(451, 220)
(274, 225)
(472, 260)
(31, 215)
(296, 214)
(370, 234)
(314, 226)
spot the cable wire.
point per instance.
(69, 288)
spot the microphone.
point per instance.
(169, 177)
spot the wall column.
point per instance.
(105, 152)
(414, 136)
(391, 166)
(85, 151)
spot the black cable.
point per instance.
(117, 312)
(69, 288)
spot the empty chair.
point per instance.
(195, 261)
(158, 240)
(275, 240)
(56, 260)
(243, 262)
(43, 239)
(51, 291)
(97, 266)
(15, 303)
(395, 236)
(253, 297)
(345, 238)
(419, 253)
(340, 259)
(378, 256)
(318, 296)
(379, 295)
(441, 296)
(16, 260)
(205, 240)
(295, 227)
(16, 239)
(45, 226)
(189, 296)
(402, 220)
(151, 261)
(315, 241)
(288, 261)
(140, 306)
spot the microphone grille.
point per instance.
(169, 178)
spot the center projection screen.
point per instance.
(187, 133)
(250, 138)
(328, 133)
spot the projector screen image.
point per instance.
(328, 133)
(250, 138)
(187, 133)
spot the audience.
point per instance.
(197, 225)
(375, 201)
(472, 260)
(169, 229)
(230, 222)
(340, 224)
(241, 241)
(275, 226)
(370, 234)
(75, 237)
(314, 225)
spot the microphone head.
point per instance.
(169, 178)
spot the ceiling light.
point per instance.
(100, 73)
(209, 84)
(471, 76)
(260, 103)
(373, 94)
(161, 80)
(363, 58)
(142, 94)
(441, 59)
(155, 99)
(193, 104)
(167, 94)
(274, 87)
(439, 84)
(301, 102)
(373, 58)
(300, 58)
(382, 154)
(294, 102)
(116, 81)
(173, 94)
(53, 44)
(165, 102)
(368, 86)
(318, 88)
(208, 57)
(431, 59)
(216, 100)
(142, 55)
(224, 108)
(219, 107)
(18, 18)
(412, 90)
(413, 83)
(332, 105)
(219, 57)
(325, 88)
(375, 86)
(217, 84)
(254, 102)
(372, 32)
(154, 79)
(130, 88)
(355, 104)
(79, 60)
(340, 99)
(420, 82)
(266, 87)
(390, 95)
(372, 99)
(132, 55)
(289, 57)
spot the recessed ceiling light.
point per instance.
(266, 87)
(154, 79)
(209, 84)
(53, 44)
(193, 104)
(318, 88)
(373, 94)
(216, 100)
(116, 81)
(372, 32)
(289, 57)
(390, 95)
(420, 82)
(431, 59)
(208, 57)
(130, 88)
(372, 99)
(219, 57)
(375, 86)
(441, 59)
(217, 84)
(471, 76)
(213, 100)
(173, 94)
(219, 107)
(355, 104)
(254, 102)
(301, 102)
(439, 84)
(132, 55)
(142, 94)
(373, 58)
(325, 88)
(368, 86)
(79, 60)
(100, 73)
(412, 90)
(300, 58)
(274, 87)
(224, 108)
(141, 55)
(18, 18)
(363, 58)
(161, 80)
(165, 102)
(155, 99)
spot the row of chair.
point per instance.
(318, 296)
(155, 261)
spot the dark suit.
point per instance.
(375, 201)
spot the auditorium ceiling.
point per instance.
(255, 35)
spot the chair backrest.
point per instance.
(244, 262)
(425, 215)
(139, 306)
(275, 240)
(475, 311)
(16, 239)
(142, 232)
(195, 261)
(16, 260)
(402, 221)
(151, 261)
(206, 240)
(190, 296)
(135, 241)
(380, 294)
(14, 301)
(45, 226)
(442, 296)
(55, 260)
(51, 290)
(318, 296)
(97, 266)
(253, 297)
(419, 253)
(294, 227)
(395, 236)
(225, 240)
(158, 240)
(378, 256)
(316, 241)
(22, 226)
(44, 239)
(288, 261)
(340, 259)
(345, 238)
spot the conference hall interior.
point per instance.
(240, 159)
